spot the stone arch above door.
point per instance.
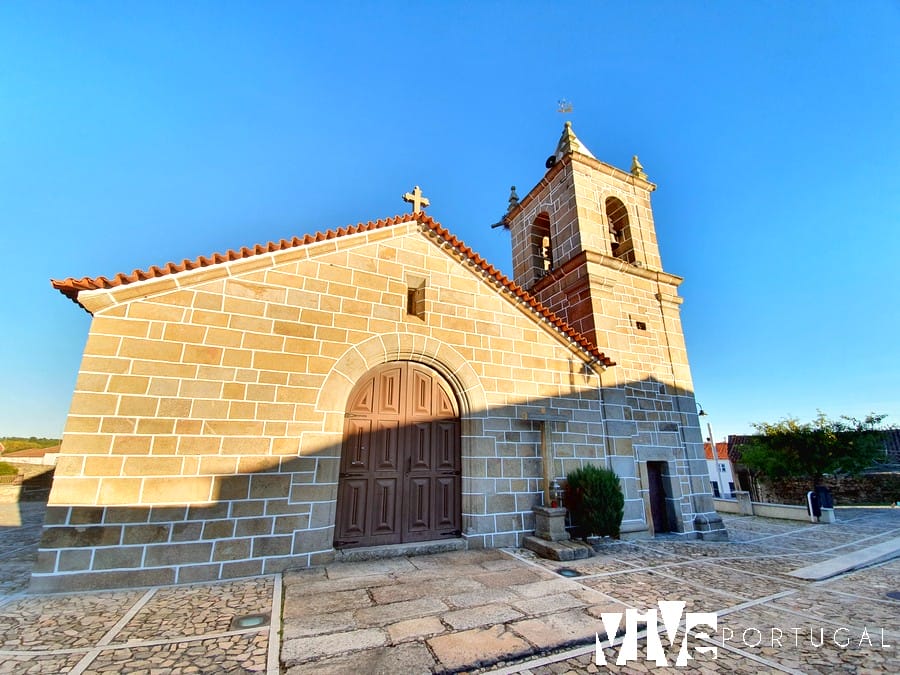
(379, 349)
(400, 467)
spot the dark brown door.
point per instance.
(657, 489)
(400, 464)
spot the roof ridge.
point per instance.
(71, 287)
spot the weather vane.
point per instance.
(563, 106)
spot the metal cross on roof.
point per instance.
(416, 199)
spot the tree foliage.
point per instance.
(789, 448)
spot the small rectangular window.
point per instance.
(715, 487)
(640, 325)
(415, 302)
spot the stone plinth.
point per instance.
(565, 550)
(710, 527)
(550, 523)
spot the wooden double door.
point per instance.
(400, 459)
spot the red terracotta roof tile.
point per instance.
(71, 287)
(721, 450)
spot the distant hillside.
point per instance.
(15, 443)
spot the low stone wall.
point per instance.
(743, 506)
(867, 488)
(726, 505)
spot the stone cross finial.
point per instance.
(416, 199)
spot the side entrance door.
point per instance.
(657, 490)
(400, 459)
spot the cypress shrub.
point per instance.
(595, 500)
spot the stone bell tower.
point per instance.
(584, 243)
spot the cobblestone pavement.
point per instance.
(164, 630)
(476, 611)
(768, 622)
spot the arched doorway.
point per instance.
(400, 459)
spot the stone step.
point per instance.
(397, 550)
(567, 549)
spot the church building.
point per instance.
(379, 385)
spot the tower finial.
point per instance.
(637, 170)
(513, 199)
(569, 143)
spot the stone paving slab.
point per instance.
(850, 561)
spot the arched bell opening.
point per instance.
(621, 242)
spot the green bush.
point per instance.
(7, 469)
(594, 499)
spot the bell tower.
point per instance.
(584, 243)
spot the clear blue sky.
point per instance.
(132, 134)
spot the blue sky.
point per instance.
(132, 134)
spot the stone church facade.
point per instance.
(376, 385)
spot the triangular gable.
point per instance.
(72, 287)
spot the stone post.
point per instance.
(745, 506)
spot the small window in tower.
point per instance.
(640, 325)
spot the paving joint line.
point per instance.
(128, 616)
(759, 659)
(273, 653)
(131, 644)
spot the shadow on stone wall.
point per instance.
(279, 512)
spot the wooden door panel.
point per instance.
(390, 394)
(444, 406)
(384, 511)
(446, 503)
(420, 395)
(419, 447)
(357, 443)
(353, 501)
(363, 401)
(446, 445)
(418, 506)
(386, 446)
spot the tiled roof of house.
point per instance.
(71, 287)
(721, 450)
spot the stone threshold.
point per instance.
(397, 550)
